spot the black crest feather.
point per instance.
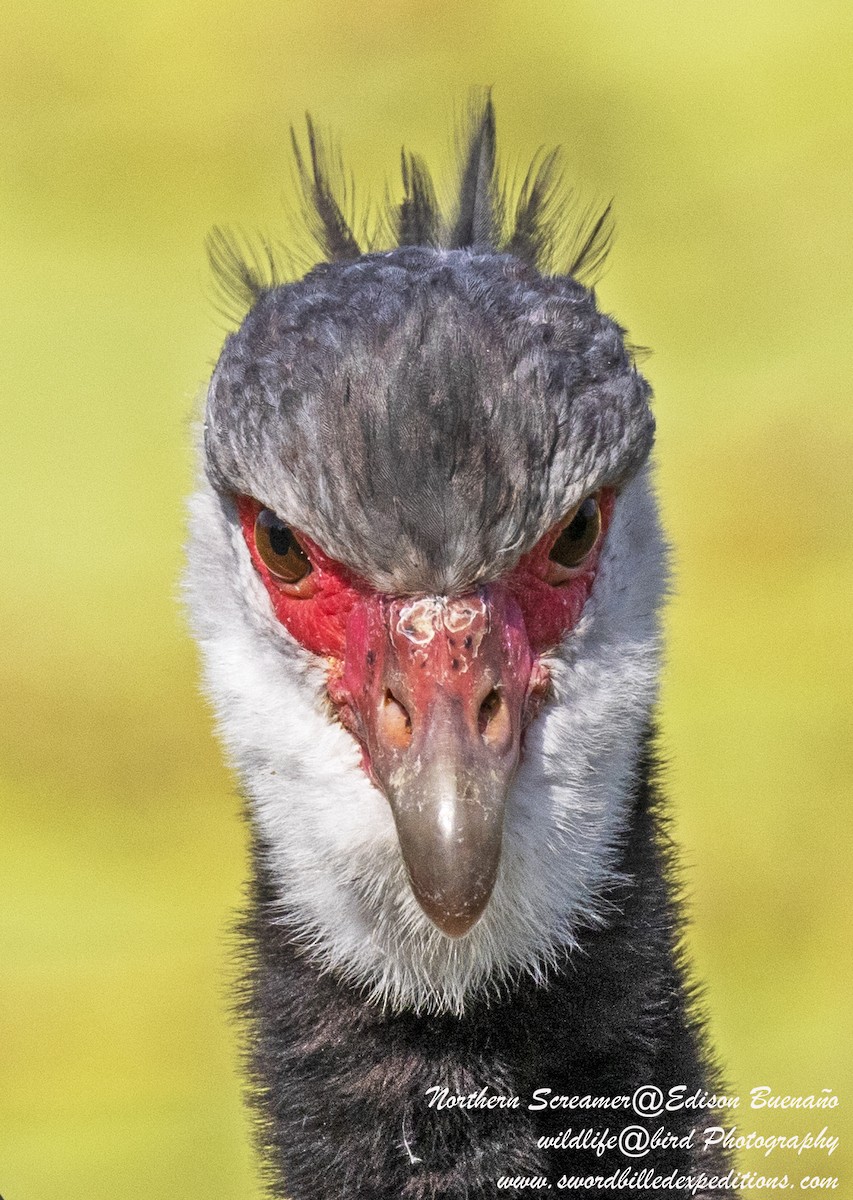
(593, 238)
(326, 191)
(243, 268)
(532, 235)
(538, 222)
(477, 220)
(417, 216)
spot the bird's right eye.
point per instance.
(281, 553)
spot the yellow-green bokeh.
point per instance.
(723, 132)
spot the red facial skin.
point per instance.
(319, 621)
(342, 618)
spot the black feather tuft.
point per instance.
(477, 220)
(592, 241)
(417, 216)
(323, 180)
(544, 228)
(244, 269)
(535, 220)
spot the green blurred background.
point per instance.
(723, 132)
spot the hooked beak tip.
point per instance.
(452, 922)
(450, 832)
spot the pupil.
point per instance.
(280, 539)
(578, 526)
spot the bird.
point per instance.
(426, 572)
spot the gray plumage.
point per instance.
(451, 405)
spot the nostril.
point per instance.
(395, 722)
(488, 709)
(493, 719)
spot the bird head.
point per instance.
(425, 570)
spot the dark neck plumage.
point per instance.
(341, 1086)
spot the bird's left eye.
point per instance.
(281, 552)
(575, 539)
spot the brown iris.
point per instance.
(578, 535)
(280, 551)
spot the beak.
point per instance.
(438, 690)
